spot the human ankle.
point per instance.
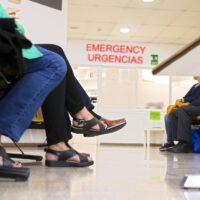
(61, 146)
(83, 114)
(95, 114)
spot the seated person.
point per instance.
(70, 97)
(178, 122)
(22, 100)
(76, 97)
(57, 145)
(44, 71)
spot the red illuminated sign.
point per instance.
(115, 53)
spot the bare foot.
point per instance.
(16, 164)
(5, 160)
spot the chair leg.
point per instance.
(18, 147)
(23, 155)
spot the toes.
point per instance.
(17, 164)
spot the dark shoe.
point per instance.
(7, 170)
(166, 146)
(63, 157)
(182, 148)
(70, 147)
(44, 144)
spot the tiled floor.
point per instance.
(119, 173)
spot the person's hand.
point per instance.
(13, 12)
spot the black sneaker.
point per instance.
(182, 148)
(166, 146)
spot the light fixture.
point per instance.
(148, 1)
(124, 30)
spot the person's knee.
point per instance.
(56, 48)
(57, 64)
(183, 109)
(174, 113)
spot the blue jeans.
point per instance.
(168, 128)
(18, 107)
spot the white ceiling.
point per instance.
(163, 21)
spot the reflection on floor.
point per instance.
(129, 173)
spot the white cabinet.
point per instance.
(138, 120)
(125, 92)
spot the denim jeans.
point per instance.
(168, 128)
(20, 104)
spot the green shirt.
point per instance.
(30, 53)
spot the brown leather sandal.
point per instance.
(85, 127)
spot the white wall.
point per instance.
(122, 87)
(78, 55)
(43, 24)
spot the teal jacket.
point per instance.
(30, 53)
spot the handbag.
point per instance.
(12, 65)
(178, 104)
(4, 85)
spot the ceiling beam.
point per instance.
(57, 4)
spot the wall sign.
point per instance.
(154, 59)
(115, 53)
(155, 116)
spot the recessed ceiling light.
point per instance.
(124, 30)
(148, 0)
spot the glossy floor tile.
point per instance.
(119, 172)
